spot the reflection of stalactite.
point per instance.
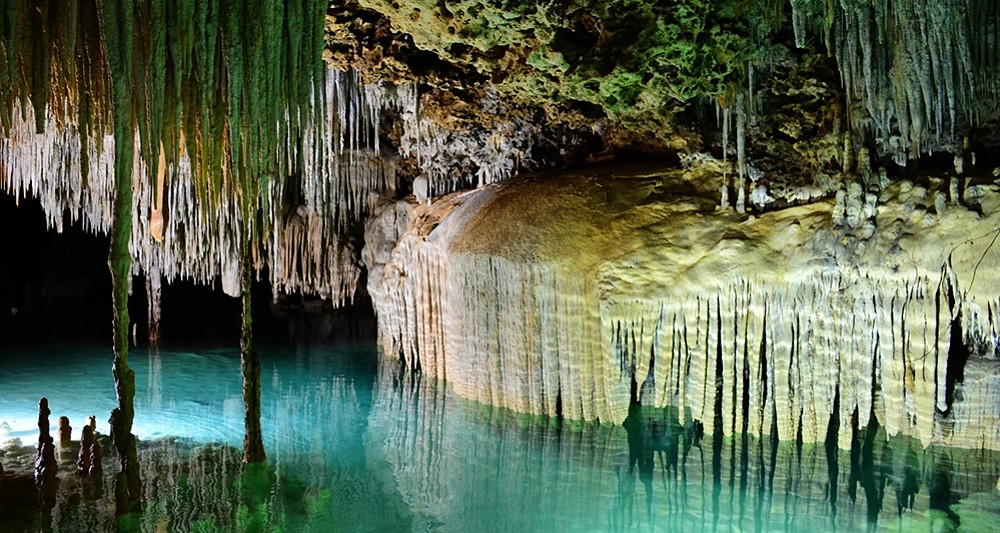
(657, 471)
(154, 379)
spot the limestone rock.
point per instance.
(65, 431)
(45, 461)
(562, 294)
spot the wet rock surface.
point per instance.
(573, 295)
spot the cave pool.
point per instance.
(355, 447)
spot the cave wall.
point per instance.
(578, 295)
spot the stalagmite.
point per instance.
(87, 440)
(96, 461)
(917, 74)
(553, 296)
(65, 431)
(45, 461)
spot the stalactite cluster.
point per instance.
(918, 74)
(579, 296)
(225, 121)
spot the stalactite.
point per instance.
(726, 127)
(226, 106)
(741, 158)
(253, 442)
(486, 157)
(217, 115)
(153, 294)
(562, 305)
(917, 74)
(118, 15)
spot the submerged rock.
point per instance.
(46, 466)
(85, 460)
(576, 295)
(65, 431)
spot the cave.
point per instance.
(680, 265)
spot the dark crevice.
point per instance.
(634, 390)
(763, 367)
(559, 405)
(649, 384)
(958, 355)
(873, 479)
(855, 466)
(832, 454)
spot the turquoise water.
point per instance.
(352, 448)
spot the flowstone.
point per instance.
(576, 295)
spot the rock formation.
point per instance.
(65, 431)
(46, 465)
(96, 466)
(852, 274)
(83, 462)
(576, 295)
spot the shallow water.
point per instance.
(351, 449)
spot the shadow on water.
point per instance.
(783, 480)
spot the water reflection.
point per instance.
(464, 467)
(353, 449)
(315, 407)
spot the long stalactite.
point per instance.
(120, 43)
(253, 442)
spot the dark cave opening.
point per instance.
(958, 356)
(55, 287)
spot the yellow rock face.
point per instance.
(575, 295)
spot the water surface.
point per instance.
(350, 449)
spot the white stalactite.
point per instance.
(552, 296)
(183, 236)
(180, 235)
(916, 73)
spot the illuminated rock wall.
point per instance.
(575, 295)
